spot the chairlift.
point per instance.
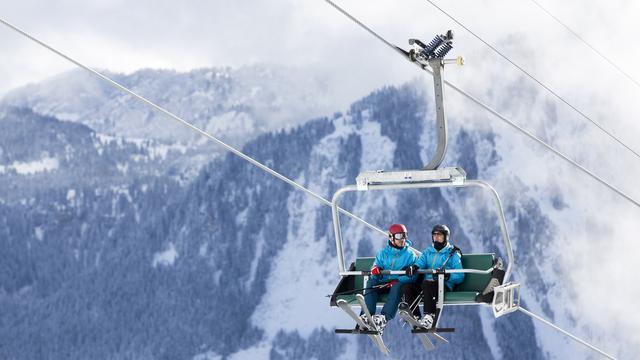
(480, 269)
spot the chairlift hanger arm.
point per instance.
(425, 56)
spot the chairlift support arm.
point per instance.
(432, 55)
(441, 120)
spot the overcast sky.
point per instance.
(125, 36)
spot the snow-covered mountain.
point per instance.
(109, 253)
(236, 104)
(40, 153)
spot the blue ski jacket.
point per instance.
(391, 258)
(433, 259)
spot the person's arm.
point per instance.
(379, 261)
(411, 259)
(422, 260)
(455, 263)
(412, 270)
(378, 264)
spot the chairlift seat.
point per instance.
(464, 293)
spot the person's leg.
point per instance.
(371, 296)
(409, 293)
(430, 296)
(391, 305)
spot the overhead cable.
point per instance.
(495, 113)
(574, 33)
(191, 126)
(543, 85)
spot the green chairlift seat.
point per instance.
(464, 293)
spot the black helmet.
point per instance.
(444, 229)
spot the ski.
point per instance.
(377, 338)
(428, 345)
(439, 338)
(373, 326)
(365, 309)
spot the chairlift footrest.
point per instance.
(438, 330)
(506, 299)
(356, 332)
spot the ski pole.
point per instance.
(377, 287)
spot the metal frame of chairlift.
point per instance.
(506, 299)
(507, 295)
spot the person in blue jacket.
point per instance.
(440, 253)
(395, 256)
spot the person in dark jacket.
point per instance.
(395, 256)
(441, 253)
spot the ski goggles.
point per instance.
(398, 236)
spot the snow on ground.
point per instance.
(231, 124)
(301, 254)
(287, 310)
(377, 150)
(39, 233)
(160, 151)
(254, 263)
(31, 167)
(165, 258)
(488, 321)
(260, 351)
(209, 355)
(71, 194)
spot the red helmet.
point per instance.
(397, 228)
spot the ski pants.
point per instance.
(371, 298)
(429, 288)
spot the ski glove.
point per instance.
(446, 276)
(411, 270)
(375, 270)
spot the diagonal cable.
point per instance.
(546, 322)
(193, 127)
(612, 136)
(574, 33)
(495, 113)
